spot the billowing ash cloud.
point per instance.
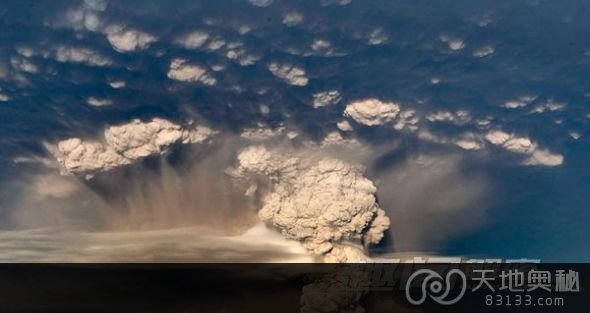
(320, 202)
(77, 156)
(123, 144)
(193, 244)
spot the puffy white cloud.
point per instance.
(460, 117)
(261, 133)
(483, 51)
(468, 144)
(520, 102)
(193, 40)
(82, 18)
(123, 144)
(497, 137)
(292, 134)
(79, 55)
(453, 43)
(483, 122)
(264, 109)
(137, 139)
(510, 142)
(407, 120)
(526, 146)
(3, 97)
(217, 67)
(128, 40)
(326, 98)
(289, 73)
(427, 135)
(344, 126)
(25, 51)
(467, 141)
(519, 145)
(377, 37)
(514, 104)
(441, 116)
(248, 59)
(216, 44)
(575, 135)
(456, 44)
(181, 70)
(544, 157)
(97, 102)
(243, 57)
(117, 84)
(320, 45)
(318, 202)
(463, 116)
(24, 65)
(244, 29)
(335, 139)
(292, 19)
(261, 3)
(232, 54)
(372, 112)
(550, 105)
(86, 17)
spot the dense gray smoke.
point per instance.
(178, 182)
(320, 201)
(155, 193)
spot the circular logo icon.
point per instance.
(432, 286)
